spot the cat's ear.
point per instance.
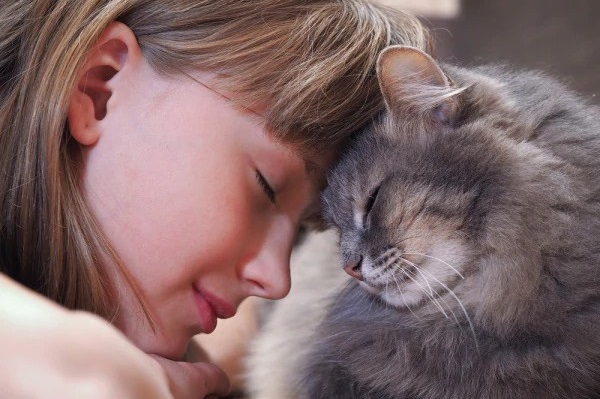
(412, 82)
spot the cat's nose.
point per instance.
(353, 269)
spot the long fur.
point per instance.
(508, 189)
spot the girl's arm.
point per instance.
(49, 351)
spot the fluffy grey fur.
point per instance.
(475, 224)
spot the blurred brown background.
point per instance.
(561, 37)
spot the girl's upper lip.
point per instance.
(221, 307)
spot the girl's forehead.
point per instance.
(319, 150)
(316, 160)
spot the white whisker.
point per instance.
(435, 293)
(383, 254)
(385, 293)
(457, 300)
(405, 239)
(371, 304)
(431, 290)
(403, 298)
(438, 259)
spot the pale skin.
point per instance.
(201, 204)
(229, 344)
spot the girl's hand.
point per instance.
(50, 352)
(194, 380)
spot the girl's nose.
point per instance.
(268, 275)
(268, 270)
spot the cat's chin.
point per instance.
(401, 299)
(370, 289)
(394, 297)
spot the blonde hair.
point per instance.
(313, 62)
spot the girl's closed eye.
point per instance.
(266, 187)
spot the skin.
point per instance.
(228, 345)
(170, 169)
(74, 354)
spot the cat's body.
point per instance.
(474, 224)
(286, 334)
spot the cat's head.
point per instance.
(443, 180)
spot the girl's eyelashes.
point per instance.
(266, 187)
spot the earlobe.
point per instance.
(89, 102)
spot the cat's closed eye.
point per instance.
(371, 200)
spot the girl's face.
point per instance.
(200, 203)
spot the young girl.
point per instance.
(157, 157)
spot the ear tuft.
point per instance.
(411, 81)
(400, 63)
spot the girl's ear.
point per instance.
(89, 101)
(412, 82)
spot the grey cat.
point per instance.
(469, 215)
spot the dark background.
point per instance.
(561, 37)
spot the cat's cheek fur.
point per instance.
(447, 261)
(443, 267)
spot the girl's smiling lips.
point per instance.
(210, 308)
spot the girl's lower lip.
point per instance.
(208, 318)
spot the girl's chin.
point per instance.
(174, 351)
(154, 343)
(161, 338)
